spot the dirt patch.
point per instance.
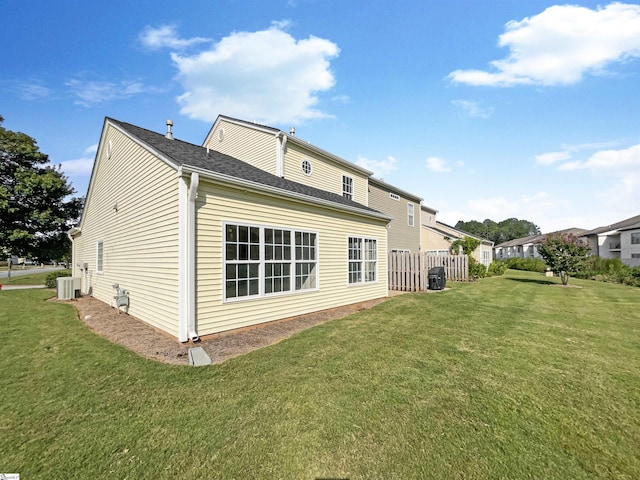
(149, 342)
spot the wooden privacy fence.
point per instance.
(408, 271)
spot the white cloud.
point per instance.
(560, 45)
(90, 93)
(78, 167)
(437, 164)
(267, 76)
(613, 162)
(380, 168)
(165, 36)
(473, 109)
(552, 157)
(34, 91)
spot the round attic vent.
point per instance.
(221, 134)
(306, 167)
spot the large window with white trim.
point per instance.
(363, 260)
(263, 260)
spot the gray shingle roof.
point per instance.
(184, 153)
(624, 224)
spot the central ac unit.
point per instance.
(67, 287)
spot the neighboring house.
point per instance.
(404, 208)
(437, 237)
(287, 156)
(620, 240)
(527, 247)
(204, 242)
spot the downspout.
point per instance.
(183, 273)
(281, 143)
(187, 193)
(191, 257)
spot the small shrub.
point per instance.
(50, 279)
(497, 267)
(476, 269)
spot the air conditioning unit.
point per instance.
(67, 287)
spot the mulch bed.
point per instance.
(152, 343)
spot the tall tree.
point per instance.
(500, 232)
(35, 204)
(564, 254)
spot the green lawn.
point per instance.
(28, 278)
(504, 378)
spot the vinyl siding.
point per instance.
(217, 204)
(434, 241)
(401, 235)
(140, 239)
(252, 146)
(326, 174)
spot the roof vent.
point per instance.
(292, 131)
(169, 135)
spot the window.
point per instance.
(242, 261)
(363, 260)
(394, 196)
(306, 167)
(635, 239)
(410, 214)
(262, 260)
(347, 187)
(99, 256)
(635, 255)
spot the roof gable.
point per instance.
(183, 154)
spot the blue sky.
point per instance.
(496, 109)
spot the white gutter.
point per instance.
(279, 192)
(187, 194)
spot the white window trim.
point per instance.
(347, 181)
(262, 262)
(99, 254)
(394, 196)
(411, 215)
(310, 167)
(363, 261)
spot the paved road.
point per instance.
(17, 271)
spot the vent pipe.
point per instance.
(169, 135)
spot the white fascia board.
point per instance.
(280, 193)
(328, 155)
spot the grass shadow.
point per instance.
(540, 281)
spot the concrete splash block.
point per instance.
(198, 357)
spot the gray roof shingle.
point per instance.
(184, 153)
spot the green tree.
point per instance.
(565, 255)
(468, 245)
(35, 204)
(499, 232)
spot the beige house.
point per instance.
(204, 242)
(288, 156)
(437, 237)
(404, 209)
